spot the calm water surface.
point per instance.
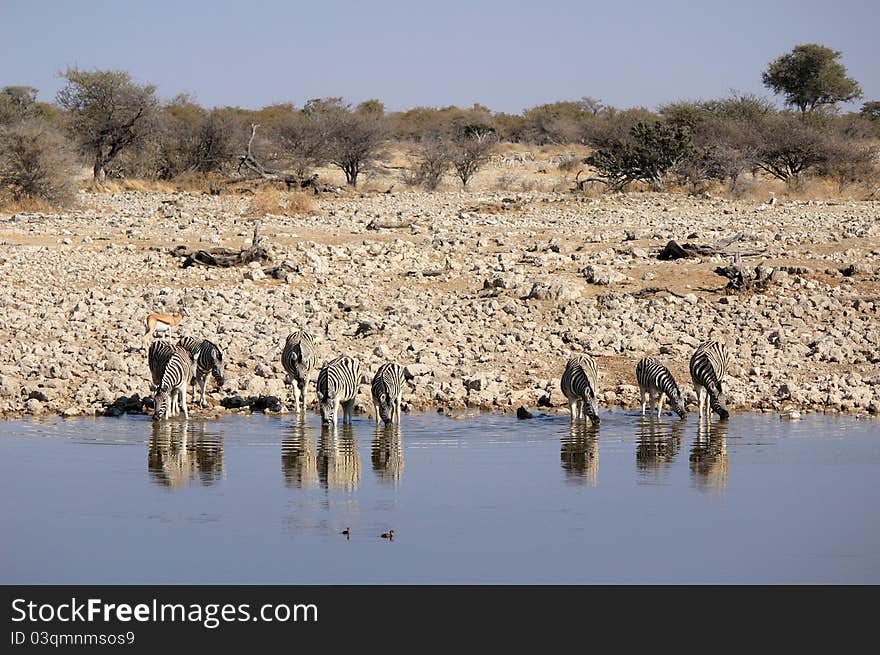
(481, 500)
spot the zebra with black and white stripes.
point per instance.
(580, 382)
(657, 382)
(338, 383)
(171, 394)
(387, 391)
(159, 353)
(708, 365)
(207, 359)
(298, 358)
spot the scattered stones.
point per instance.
(603, 276)
(481, 307)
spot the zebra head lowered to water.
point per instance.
(657, 381)
(171, 394)
(338, 383)
(580, 382)
(387, 391)
(708, 365)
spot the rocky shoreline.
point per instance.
(481, 296)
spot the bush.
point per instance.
(650, 152)
(790, 146)
(36, 162)
(432, 160)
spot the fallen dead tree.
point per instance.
(745, 278)
(249, 163)
(257, 251)
(389, 225)
(674, 250)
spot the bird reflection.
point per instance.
(580, 454)
(182, 451)
(299, 462)
(338, 461)
(387, 453)
(658, 443)
(709, 457)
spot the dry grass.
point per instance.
(11, 205)
(270, 201)
(300, 203)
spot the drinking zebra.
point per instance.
(708, 365)
(387, 389)
(157, 358)
(298, 359)
(579, 385)
(207, 358)
(656, 380)
(171, 394)
(338, 382)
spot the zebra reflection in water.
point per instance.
(709, 458)
(657, 443)
(299, 460)
(580, 454)
(338, 461)
(387, 453)
(179, 453)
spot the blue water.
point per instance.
(487, 499)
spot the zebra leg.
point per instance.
(642, 392)
(296, 400)
(660, 400)
(376, 408)
(572, 404)
(397, 411)
(203, 383)
(182, 394)
(302, 393)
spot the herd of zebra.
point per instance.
(708, 365)
(174, 367)
(191, 360)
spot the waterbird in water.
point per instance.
(388, 535)
(347, 533)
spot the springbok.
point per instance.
(162, 323)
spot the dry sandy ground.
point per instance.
(482, 297)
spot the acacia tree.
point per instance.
(470, 150)
(350, 139)
(810, 76)
(108, 113)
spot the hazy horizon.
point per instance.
(506, 55)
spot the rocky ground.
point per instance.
(482, 298)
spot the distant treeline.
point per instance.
(120, 128)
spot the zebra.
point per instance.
(207, 358)
(656, 380)
(338, 382)
(387, 389)
(579, 385)
(298, 359)
(708, 365)
(172, 386)
(159, 353)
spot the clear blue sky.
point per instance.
(508, 54)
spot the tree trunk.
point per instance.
(98, 171)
